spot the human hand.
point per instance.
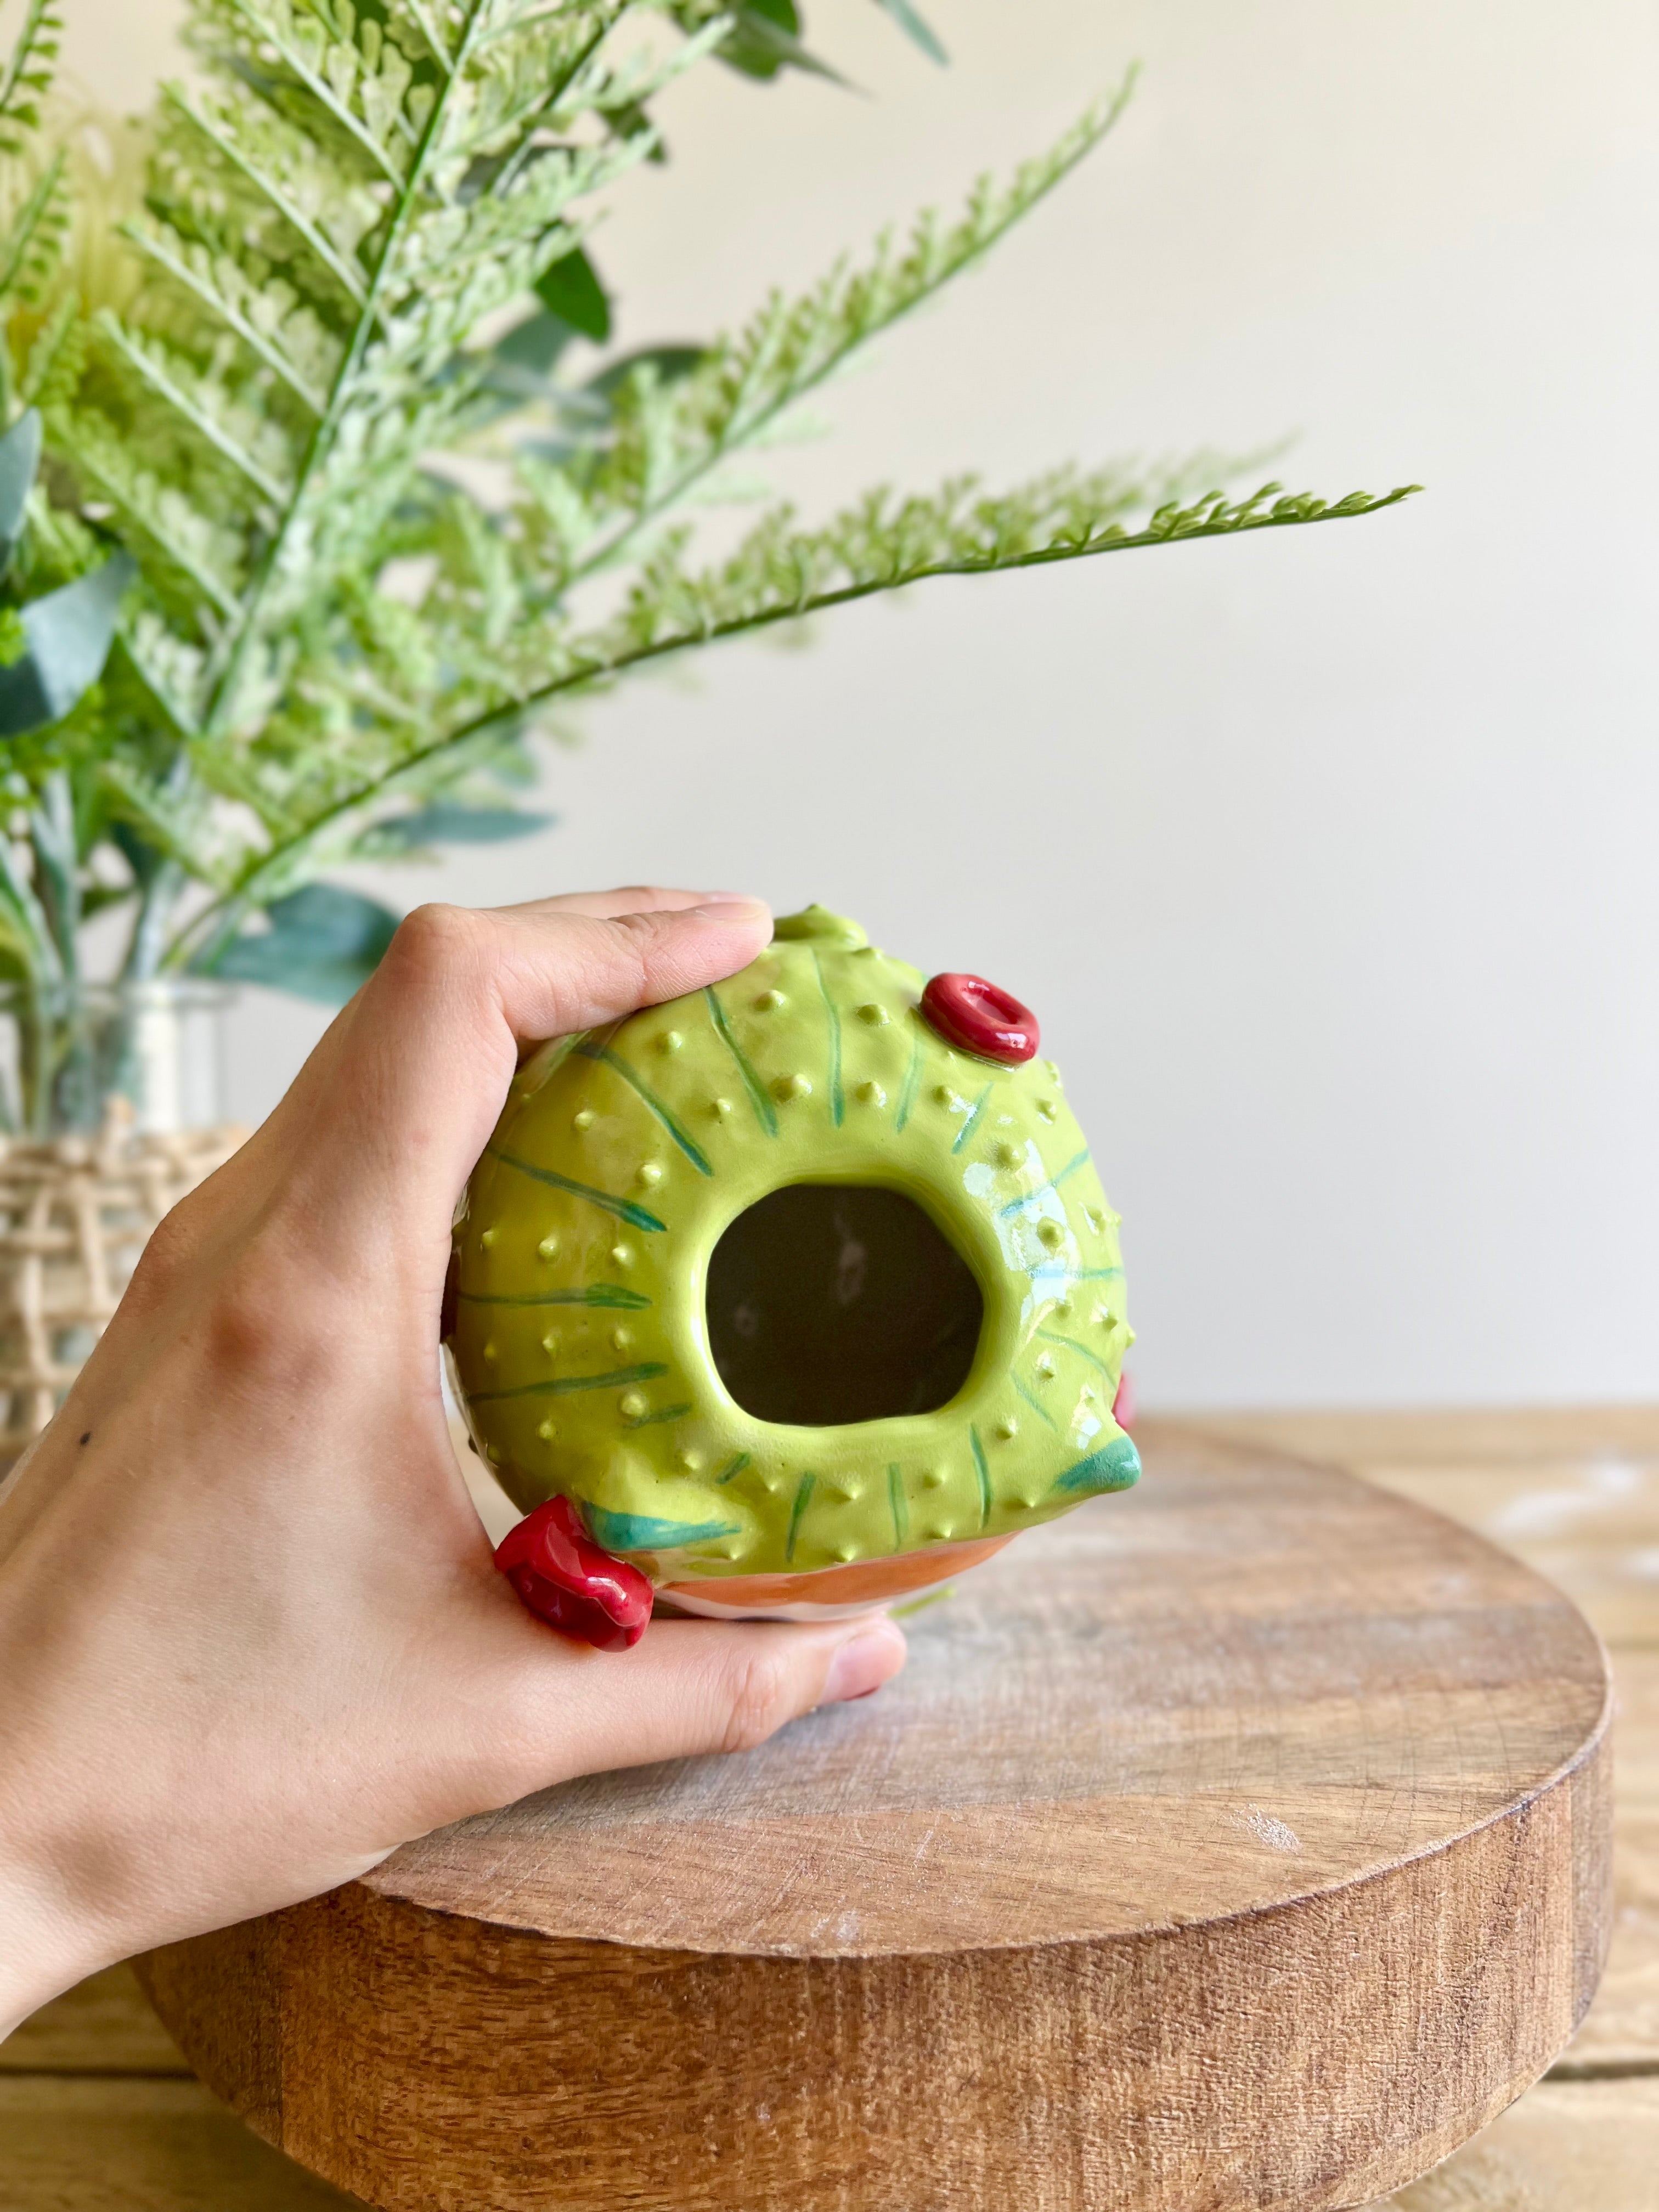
(251, 1636)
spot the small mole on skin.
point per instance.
(87, 1439)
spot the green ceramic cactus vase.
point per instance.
(803, 1290)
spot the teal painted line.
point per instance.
(838, 1096)
(912, 1078)
(623, 1208)
(613, 1295)
(1035, 1404)
(973, 1120)
(803, 1492)
(900, 1504)
(1042, 1189)
(765, 1113)
(1115, 1467)
(735, 1465)
(641, 1532)
(636, 1082)
(562, 1386)
(1053, 1336)
(984, 1474)
(1097, 1274)
(668, 1414)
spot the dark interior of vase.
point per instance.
(831, 1303)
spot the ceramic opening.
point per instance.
(834, 1303)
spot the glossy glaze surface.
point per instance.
(581, 1341)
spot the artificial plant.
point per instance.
(256, 620)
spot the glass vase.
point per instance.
(111, 1110)
(149, 1055)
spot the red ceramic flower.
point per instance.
(976, 1017)
(564, 1578)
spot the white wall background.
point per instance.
(1328, 859)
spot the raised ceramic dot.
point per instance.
(650, 1174)
(1062, 1306)
(492, 1455)
(632, 1406)
(547, 1430)
(551, 1341)
(584, 1120)
(489, 1238)
(1051, 1233)
(1097, 1221)
(845, 1552)
(1007, 1427)
(622, 1255)
(690, 1460)
(1105, 1317)
(1053, 1074)
(720, 1108)
(786, 1087)
(1009, 1156)
(1087, 1394)
(1045, 1367)
(769, 1002)
(1129, 1337)
(1046, 1108)
(669, 1040)
(877, 1017)
(938, 1533)
(548, 1248)
(621, 1338)
(870, 1094)
(943, 1095)
(933, 1478)
(490, 1353)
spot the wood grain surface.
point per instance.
(1242, 1842)
(1577, 2142)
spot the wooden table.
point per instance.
(98, 2110)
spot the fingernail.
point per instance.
(864, 1663)
(730, 909)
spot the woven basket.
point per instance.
(74, 1214)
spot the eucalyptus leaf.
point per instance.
(532, 346)
(19, 464)
(763, 41)
(919, 32)
(68, 632)
(570, 290)
(670, 363)
(444, 823)
(324, 942)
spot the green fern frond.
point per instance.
(33, 244)
(27, 73)
(780, 575)
(669, 438)
(282, 382)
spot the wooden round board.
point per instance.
(1243, 1841)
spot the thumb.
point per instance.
(411, 1081)
(689, 1687)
